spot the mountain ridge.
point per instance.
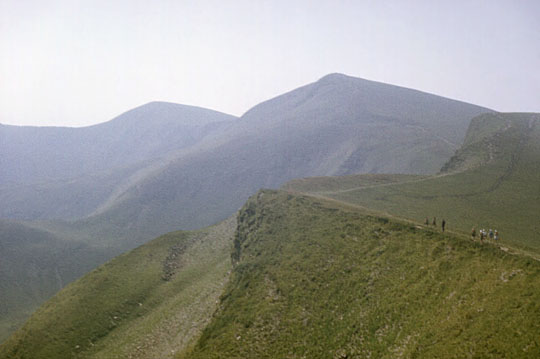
(243, 138)
(109, 141)
(493, 174)
(340, 125)
(356, 273)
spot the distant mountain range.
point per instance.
(66, 173)
(337, 125)
(162, 167)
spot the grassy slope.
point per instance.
(126, 309)
(330, 185)
(316, 279)
(492, 182)
(35, 264)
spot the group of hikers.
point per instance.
(434, 223)
(491, 234)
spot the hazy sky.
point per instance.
(74, 63)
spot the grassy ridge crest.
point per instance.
(491, 182)
(317, 279)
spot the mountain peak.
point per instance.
(334, 77)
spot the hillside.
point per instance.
(34, 265)
(318, 279)
(66, 173)
(491, 182)
(310, 278)
(148, 303)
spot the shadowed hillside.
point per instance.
(34, 265)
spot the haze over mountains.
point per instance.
(67, 172)
(162, 167)
(298, 275)
(337, 125)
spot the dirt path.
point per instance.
(503, 247)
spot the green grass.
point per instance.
(330, 185)
(493, 182)
(318, 279)
(149, 302)
(34, 265)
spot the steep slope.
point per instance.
(148, 303)
(317, 279)
(34, 265)
(67, 172)
(491, 182)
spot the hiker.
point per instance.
(482, 235)
(473, 233)
(434, 221)
(490, 233)
(443, 224)
(427, 222)
(496, 235)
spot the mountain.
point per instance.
(329, 266)
(370, 126)
(491, 182)
(163, 167)
(309, 278)
(66, 173)
(337, 125)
